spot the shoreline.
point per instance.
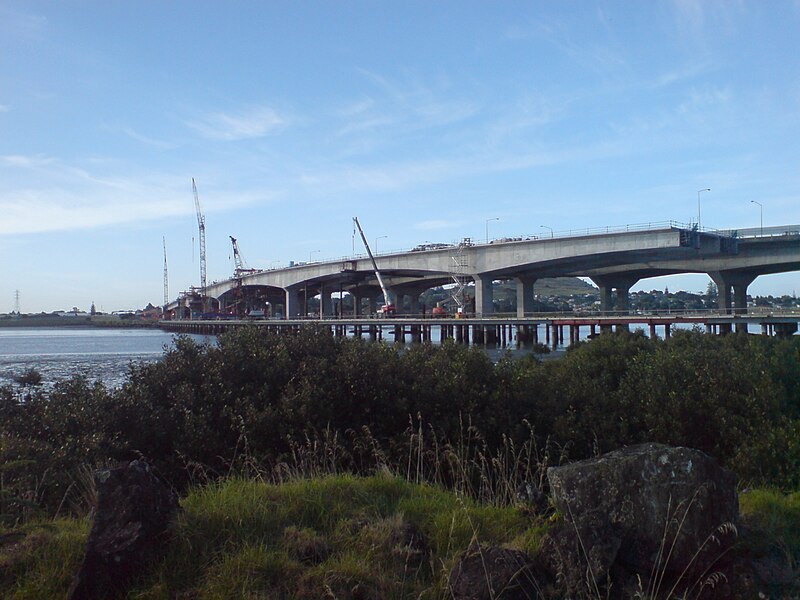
(94, 322)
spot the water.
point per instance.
(98, 354)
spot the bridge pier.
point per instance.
(524, 295)
(292, 301)
(622, 284)
(483, 295)
(732, 290)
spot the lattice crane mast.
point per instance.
(201, 226)
(166, 274)
(238, 262)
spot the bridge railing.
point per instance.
(768, 232)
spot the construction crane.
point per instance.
(388, 306)
(201, 226)
(238, 261)
(166, 277)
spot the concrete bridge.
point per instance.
(615, 259)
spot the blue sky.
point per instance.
(424, 119)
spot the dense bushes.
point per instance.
(736, 397)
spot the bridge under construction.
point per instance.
(614, 258)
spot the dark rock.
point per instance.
(134, 510)
(530, 496)
(644, 509)
(493, 573)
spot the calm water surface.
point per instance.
(98, 354)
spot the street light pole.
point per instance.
(380, 237)
(698, 205)
(487, 227)
(310, 254)
(546, 227)
(761, 215)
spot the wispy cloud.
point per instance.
(4, 108)
(62, 196)
(680, 75)
(696, 16)
(403, 106)
(254, 122)
(146, 140)
(21, 24)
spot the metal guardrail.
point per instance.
(768, 232)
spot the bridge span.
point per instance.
(615, 259)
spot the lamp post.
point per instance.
(761, 215)
(698, 205)
(380, 237)
(310, 254)
(546, 227)
(487, 227)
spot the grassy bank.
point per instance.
(318, 538)
(329, 537)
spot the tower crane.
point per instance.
(201, 226)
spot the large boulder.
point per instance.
(134, 510)
(494, 573)
(642, 510)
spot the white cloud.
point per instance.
(251, 123)
(146, 140)
(62, 197)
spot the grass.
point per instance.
(41, 562)
(334, 534)
(329, 537)
(336, 537)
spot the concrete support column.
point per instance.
(732, 290)
(524, 295)
(606, 300)
(621, 283)
(371, 305)
(292, 302)
(325, 304)
(356, 304)
(414, 306)
(483, 296)
(739, 299)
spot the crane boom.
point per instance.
(201, 226)
(387, 300)
(166, 274)
(238, 261)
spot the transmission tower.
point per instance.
(201, 226)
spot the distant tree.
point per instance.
(93, 310)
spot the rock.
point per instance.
(642, 510)
(531, 497)
(493, 573)
(134, 510)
